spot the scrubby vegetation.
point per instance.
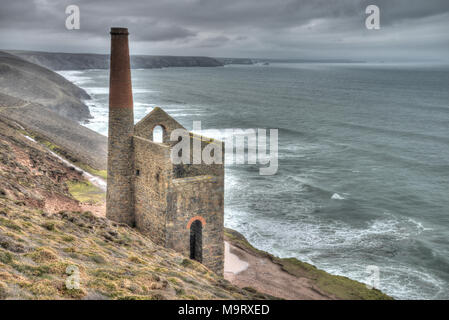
(39, 251)
(86, 192)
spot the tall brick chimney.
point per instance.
(119, 198)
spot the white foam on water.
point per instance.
(74, 76)
(143, 90)
(221, 134)
(169, 109)
(142, 104)
(97, 90)
(330, 244)
(184, 114)
(336, 196)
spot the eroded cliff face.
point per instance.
(44, 230)
(31, 82)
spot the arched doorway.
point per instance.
(196, 241)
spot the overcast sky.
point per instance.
(410, 29)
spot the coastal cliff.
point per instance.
(48, 104)
(28, 81)
(52, 217)
(245, 61)
(82, 61)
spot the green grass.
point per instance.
(9, 224)
(341, 287)
(99, 173)
(6, 257)
(86, 192)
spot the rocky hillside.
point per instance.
(76, 142)
(46, 233)
(81, 61)
(31, 82)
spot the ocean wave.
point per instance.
(143, 104)
(75, 76)
(97, 90)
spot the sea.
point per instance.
(362, 186)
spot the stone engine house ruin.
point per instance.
(179, 206)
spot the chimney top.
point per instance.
(119, 31)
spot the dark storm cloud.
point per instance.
(282, 28)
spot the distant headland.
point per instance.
(84, 61)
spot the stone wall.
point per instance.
(144, 128)
(197, 198)
(152, 171)
(192, 170)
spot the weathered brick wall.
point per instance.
(152, 171)
(197, 197)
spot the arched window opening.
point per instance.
(196, 241)
(158, 134)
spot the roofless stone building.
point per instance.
(179, 206)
